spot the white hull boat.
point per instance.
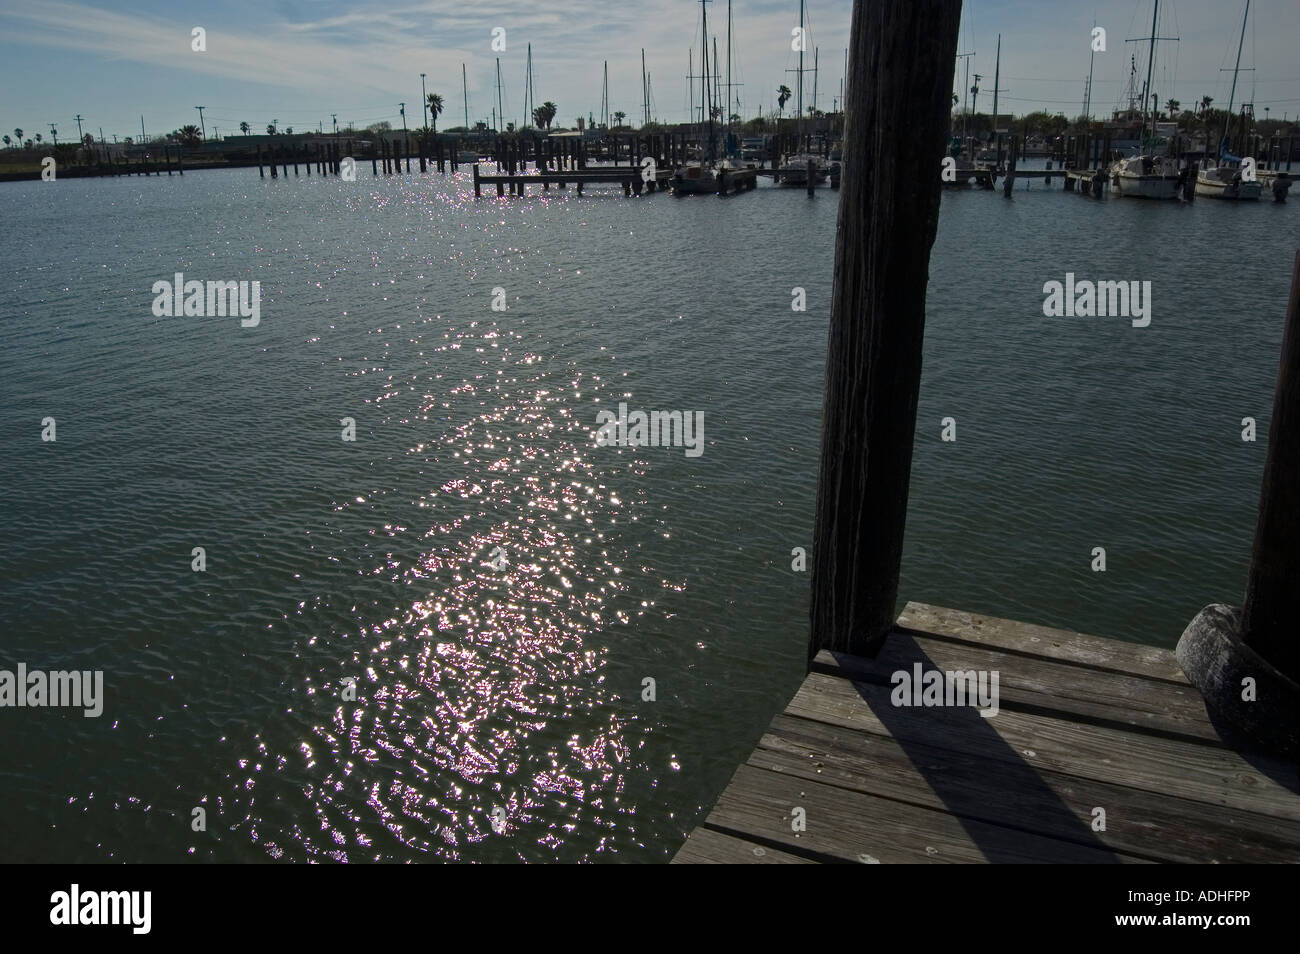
(1215, 181)
(793, 170)
(1146, 177)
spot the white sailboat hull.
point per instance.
(1145, 177)
(1213, 189)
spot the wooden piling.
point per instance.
(1272, 607)
(902, 58)
(1010, 181)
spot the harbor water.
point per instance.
(473, 633)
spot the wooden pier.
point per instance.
(633, 179)
(1084, 724)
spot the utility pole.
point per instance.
(54, 134)
(335, 118)
(401, 107)
(143, 137)
(80, 135)
(424, 101)
(202, 129)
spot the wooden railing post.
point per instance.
(898, 112)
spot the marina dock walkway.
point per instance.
(1101, 751)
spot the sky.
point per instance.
(299, 61)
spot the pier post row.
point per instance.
(900, 74)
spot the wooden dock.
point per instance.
(1085, 726)
(632, 178)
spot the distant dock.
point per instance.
(1101, 752)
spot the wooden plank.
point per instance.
(1014, 636)
(849, 826)
(1208, 774)
(1032, 682)
(1144, 824)
(708, 847)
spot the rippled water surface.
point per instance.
(498, 589)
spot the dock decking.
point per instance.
(1084, 723)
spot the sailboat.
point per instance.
(1146, 175)
(708, 174)
(1222, 179)
(794, 169)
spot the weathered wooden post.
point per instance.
(1246, 662)
(900, 77)
(810, 178)
(478, 189)
(1010, 182)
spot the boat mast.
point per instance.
(530, 105)
(464, 85)
(717, 79)
(816, 58)
(645, 90)
(1233, 95)
(1151, 61)
(706, 104)
(727, 115)
(997, 70)
(501, 116)
(803, 41)
(1087, 96)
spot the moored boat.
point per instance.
(794, 170)
(1146, 177)
(1222, 181)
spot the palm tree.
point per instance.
(288, 130)
(38, 138)
(7, 142)
(435, 110)
(783, 95)
(270, 129)
(544, 115)
(618, 118)
(734, 118)
(244, 128)
(1205, 104)
(18, 135)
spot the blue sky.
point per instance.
(298, 61)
